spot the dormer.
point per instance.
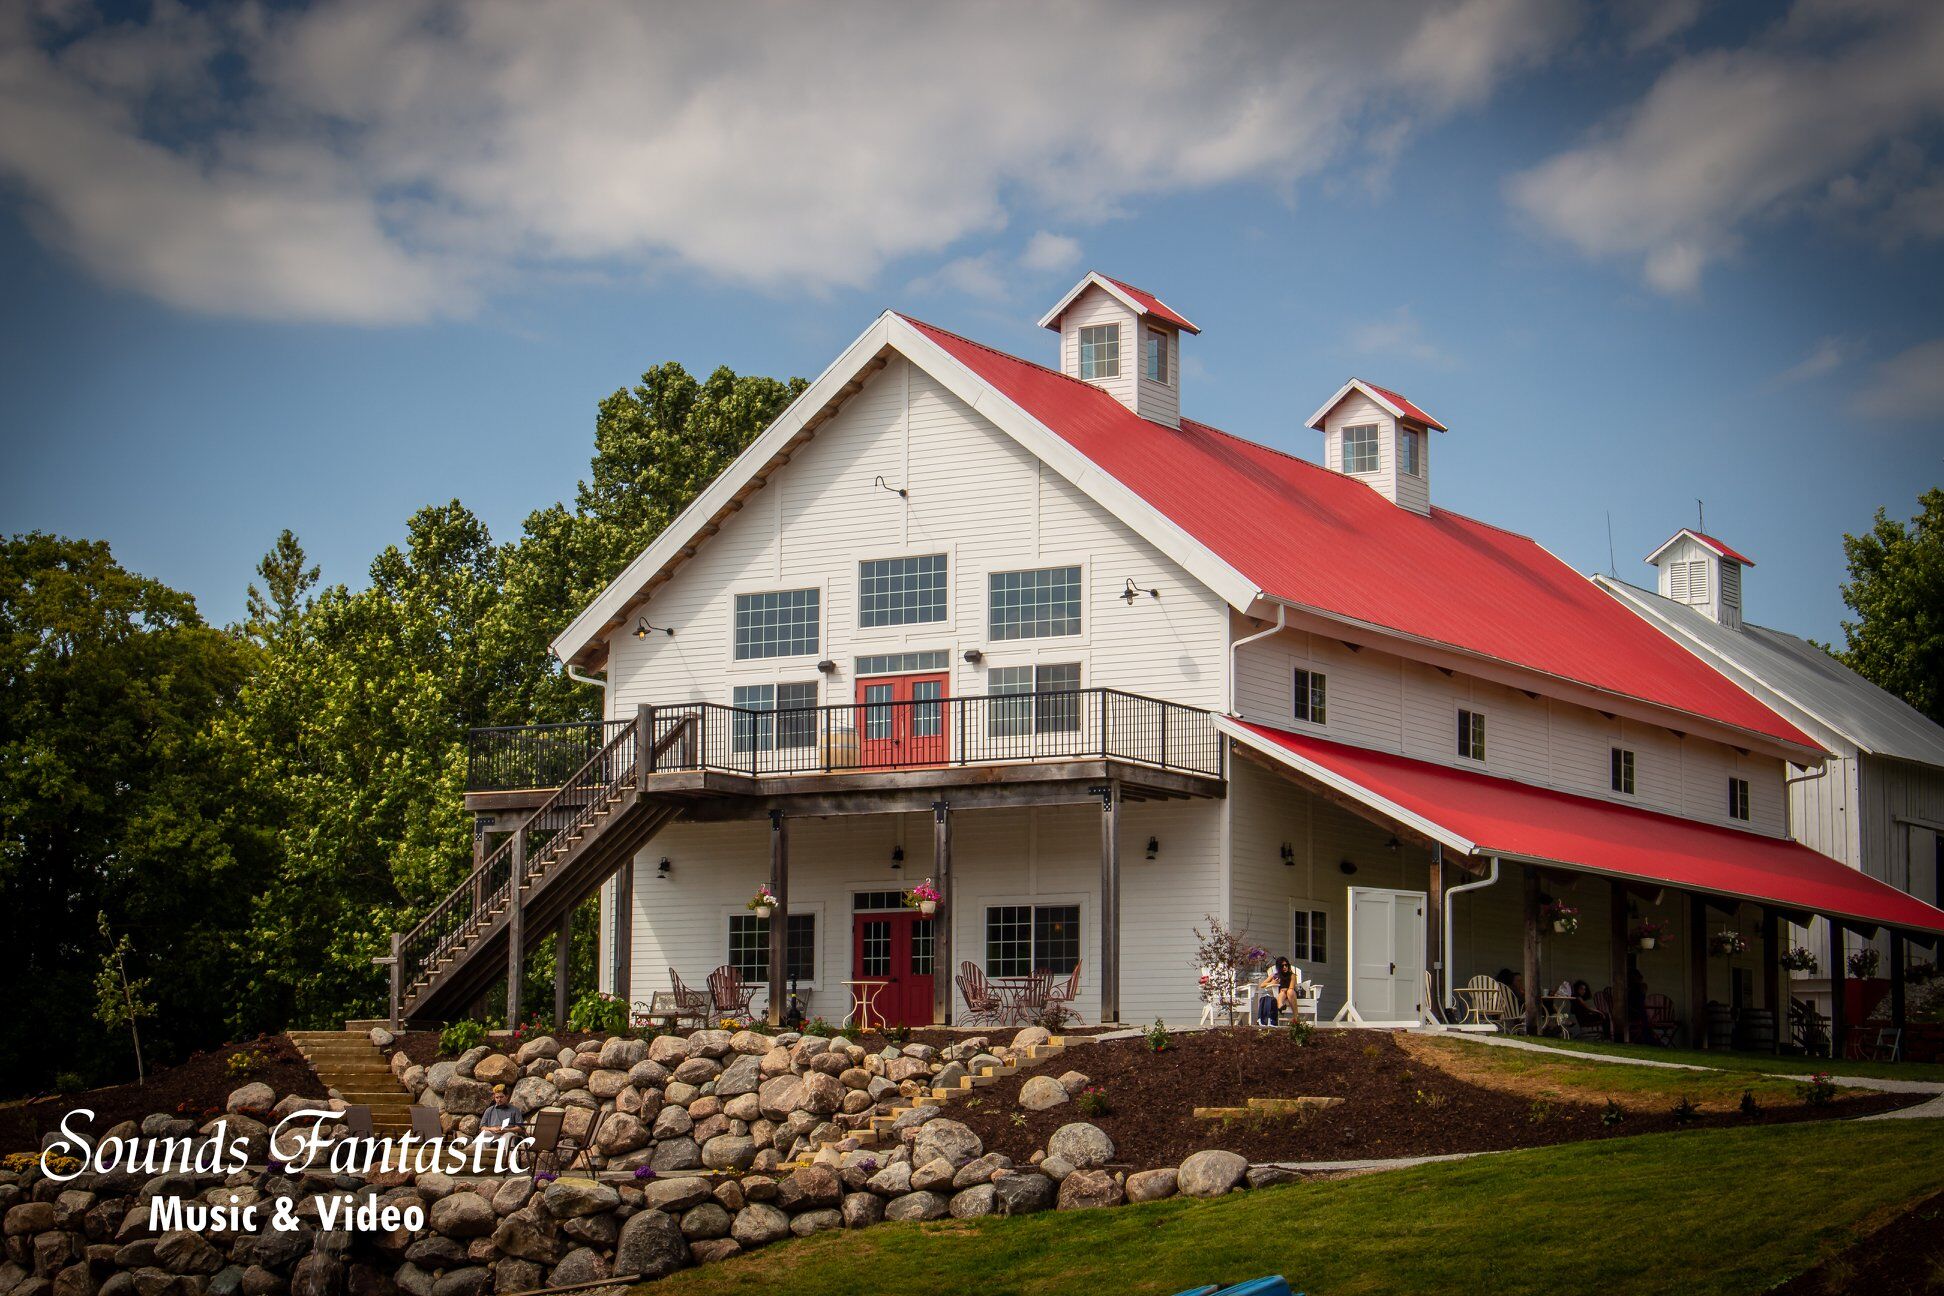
(1700, 571)
(1384, 441)
(1125, 341)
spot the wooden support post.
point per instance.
(1531, 970)
(1617, 959)
(1697, 987)
(563, 968)
(624, 932)
(779, 931)
(1897, 981)
(515, 929)
(1838, 988)
(943, 965)
(1774, 983)
(644, 745)
(1109, 902)
(397, 978)
(1434, 901)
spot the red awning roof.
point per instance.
(1483, 815)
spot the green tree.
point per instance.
(288, 578)
(1896, 589)
(120, 1000)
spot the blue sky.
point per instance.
(316, 267)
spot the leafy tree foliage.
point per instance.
(1896, 589)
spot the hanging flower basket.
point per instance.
(1563, 917)
(763, 903)
(923, 897)
(1647, 934)
(1801, 959)
(1727, 944)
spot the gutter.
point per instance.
(1282, 618)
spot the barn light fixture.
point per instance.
(1288, 855)
(1393, 845)
(642, 629)
(973, 656)
(663, 869)
(1154, 847)
(1133, 591)
(897, 857)
(827, 667)
(899, 491)
(1347, 867)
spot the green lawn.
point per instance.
(1729, 1211)
(1732, 1061)
(1564, 1077)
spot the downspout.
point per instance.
(1452, 893)
(573, 673)
(1282, 614)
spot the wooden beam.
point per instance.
(1109, 902)
(779, 932)
(397, 952)
(943, 965)
(1774, 993)
(1531, 914)
(1617, 958)
(515, 930)
(1697, 987)
(1897, 982)
(563, 967)
(624, 932)
(1434, 902)
(1838, 987)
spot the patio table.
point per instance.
(1475, 1014)
(1559, 1015)
(1013, 993)
(864, 993)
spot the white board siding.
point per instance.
(1016, 856)
(1391, 704)
(1357, 410)
(1093, 308)
(974, 494)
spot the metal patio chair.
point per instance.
(1064, 994)
(983, 1007)
(1661, 1020)
(427, 1123)
(691, 1006)
(1031, 1003)
(544, 1142)
(729, 994)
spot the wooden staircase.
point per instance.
(352, 1066)
(589, 828)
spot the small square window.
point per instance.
(1100, 351)
(1157, 356)
(1306, 936)
(1623, 770)
(1738, 799)
(1471, 735)
(1311, 695)
(1360, 449)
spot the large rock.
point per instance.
(812, 1186)
(581, 1265)
(620, 1133)
(463, 1215)
(668, 1049)
(1022, 1194)
(948, 1139)
(651, 1244)
(822, 1094)
(973, 1202)
(759, 1224)
(567, 1198)
(543, 1046)
(891, 1181)
(708, 1220)
(463, 1097)
(496, 1068)
(1211, 1173)
(752, 1043)
(620, 1052)
(676, 1154)
(1080, 1145)
(710, 1043)
(933, 1176)
(1085, 1189)
(532, 1093)
(729, 1152)
(676, 1195)
(606, 1084)
(1268, 1176)
(255, 1094)
(697, 1070)
(917, 1206)
(318, 1274)
(183, 1252)
(1040, 1092)
(528, 1234)
(780, 1095)
(1151, 1185)
(1031, 1035)
(440, 1074)
(862, 1209)
(743, 1075)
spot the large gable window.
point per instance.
(1360, 448)
(901, 591)
(778, 623)
(1100, 351)
(1035, 604)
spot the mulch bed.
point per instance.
(195, 1089)
(1903, 1258)
(1393, 1105)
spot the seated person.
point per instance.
(1270, 991)
(501, 1115)
(1585, 1014)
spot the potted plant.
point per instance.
(1726, 943)
(1801, 959)
(763, 903)
(1647, 933)
(923, 897)
(1863, 964)
(1563, 917)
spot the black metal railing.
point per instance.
(512, 757)
(878, 735)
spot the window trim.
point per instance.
(1376, 431)
(1741, 799)
(812, 909)
(1483, 741)
(1055, 643)
(1415, 439)
(1033, 727)
(1312, 713)
(912, 631)
(775, 686)
(1622, 767)
(769, 668)
(1151, 334)
(1080, 351)
(1084, 903)
(1310, 917)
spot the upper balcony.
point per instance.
(1150, 745)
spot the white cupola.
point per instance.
(1384, 441)
(1125, 341)
(1700, 571)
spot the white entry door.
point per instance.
(1386, 954)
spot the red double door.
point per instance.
(902, 720)
(897, 949)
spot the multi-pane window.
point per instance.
(1312, 693)
(1471, 735)
(1020, 705)
(921, 947)
(1623, 770)
(779, 623)
(1360, 448)
(903, 663)
(1407, 453)
(865, 901)
(1307, 942)
(1100, 351)
(1035, 604)
(749, 947)
(901, 591)
(1157, 356)
(1738, 798)
(1021, 939)
(787, 719)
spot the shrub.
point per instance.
(1053, 1018)
(1223, 962)
(1818, 1090)
(462, 1035)
(1613, 1114)
(597, 1013)
(72, 1081)
(1685, 1112)
(899, 1035)
(244, 1062)
(1300, 1033)
(1748, 1106)
(1158, 1039)
(1539, 1112)
(1092, 1101)
(1863, 963)
(818, 1026)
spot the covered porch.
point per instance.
(1678, 929)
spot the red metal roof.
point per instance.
(1154, 305)
(1531, 823)
(1315, 538)
(1411, 411)
(1722, 549)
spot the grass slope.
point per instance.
(1932, 1072)
(1732, 1211)
(1563, 1076)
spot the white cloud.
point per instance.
(1727, 138)
(1399, 335)
(1650, 23)
(1826, 357)
(385, 160)
(1907, 386)
(1047, 251)
(981, 276)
